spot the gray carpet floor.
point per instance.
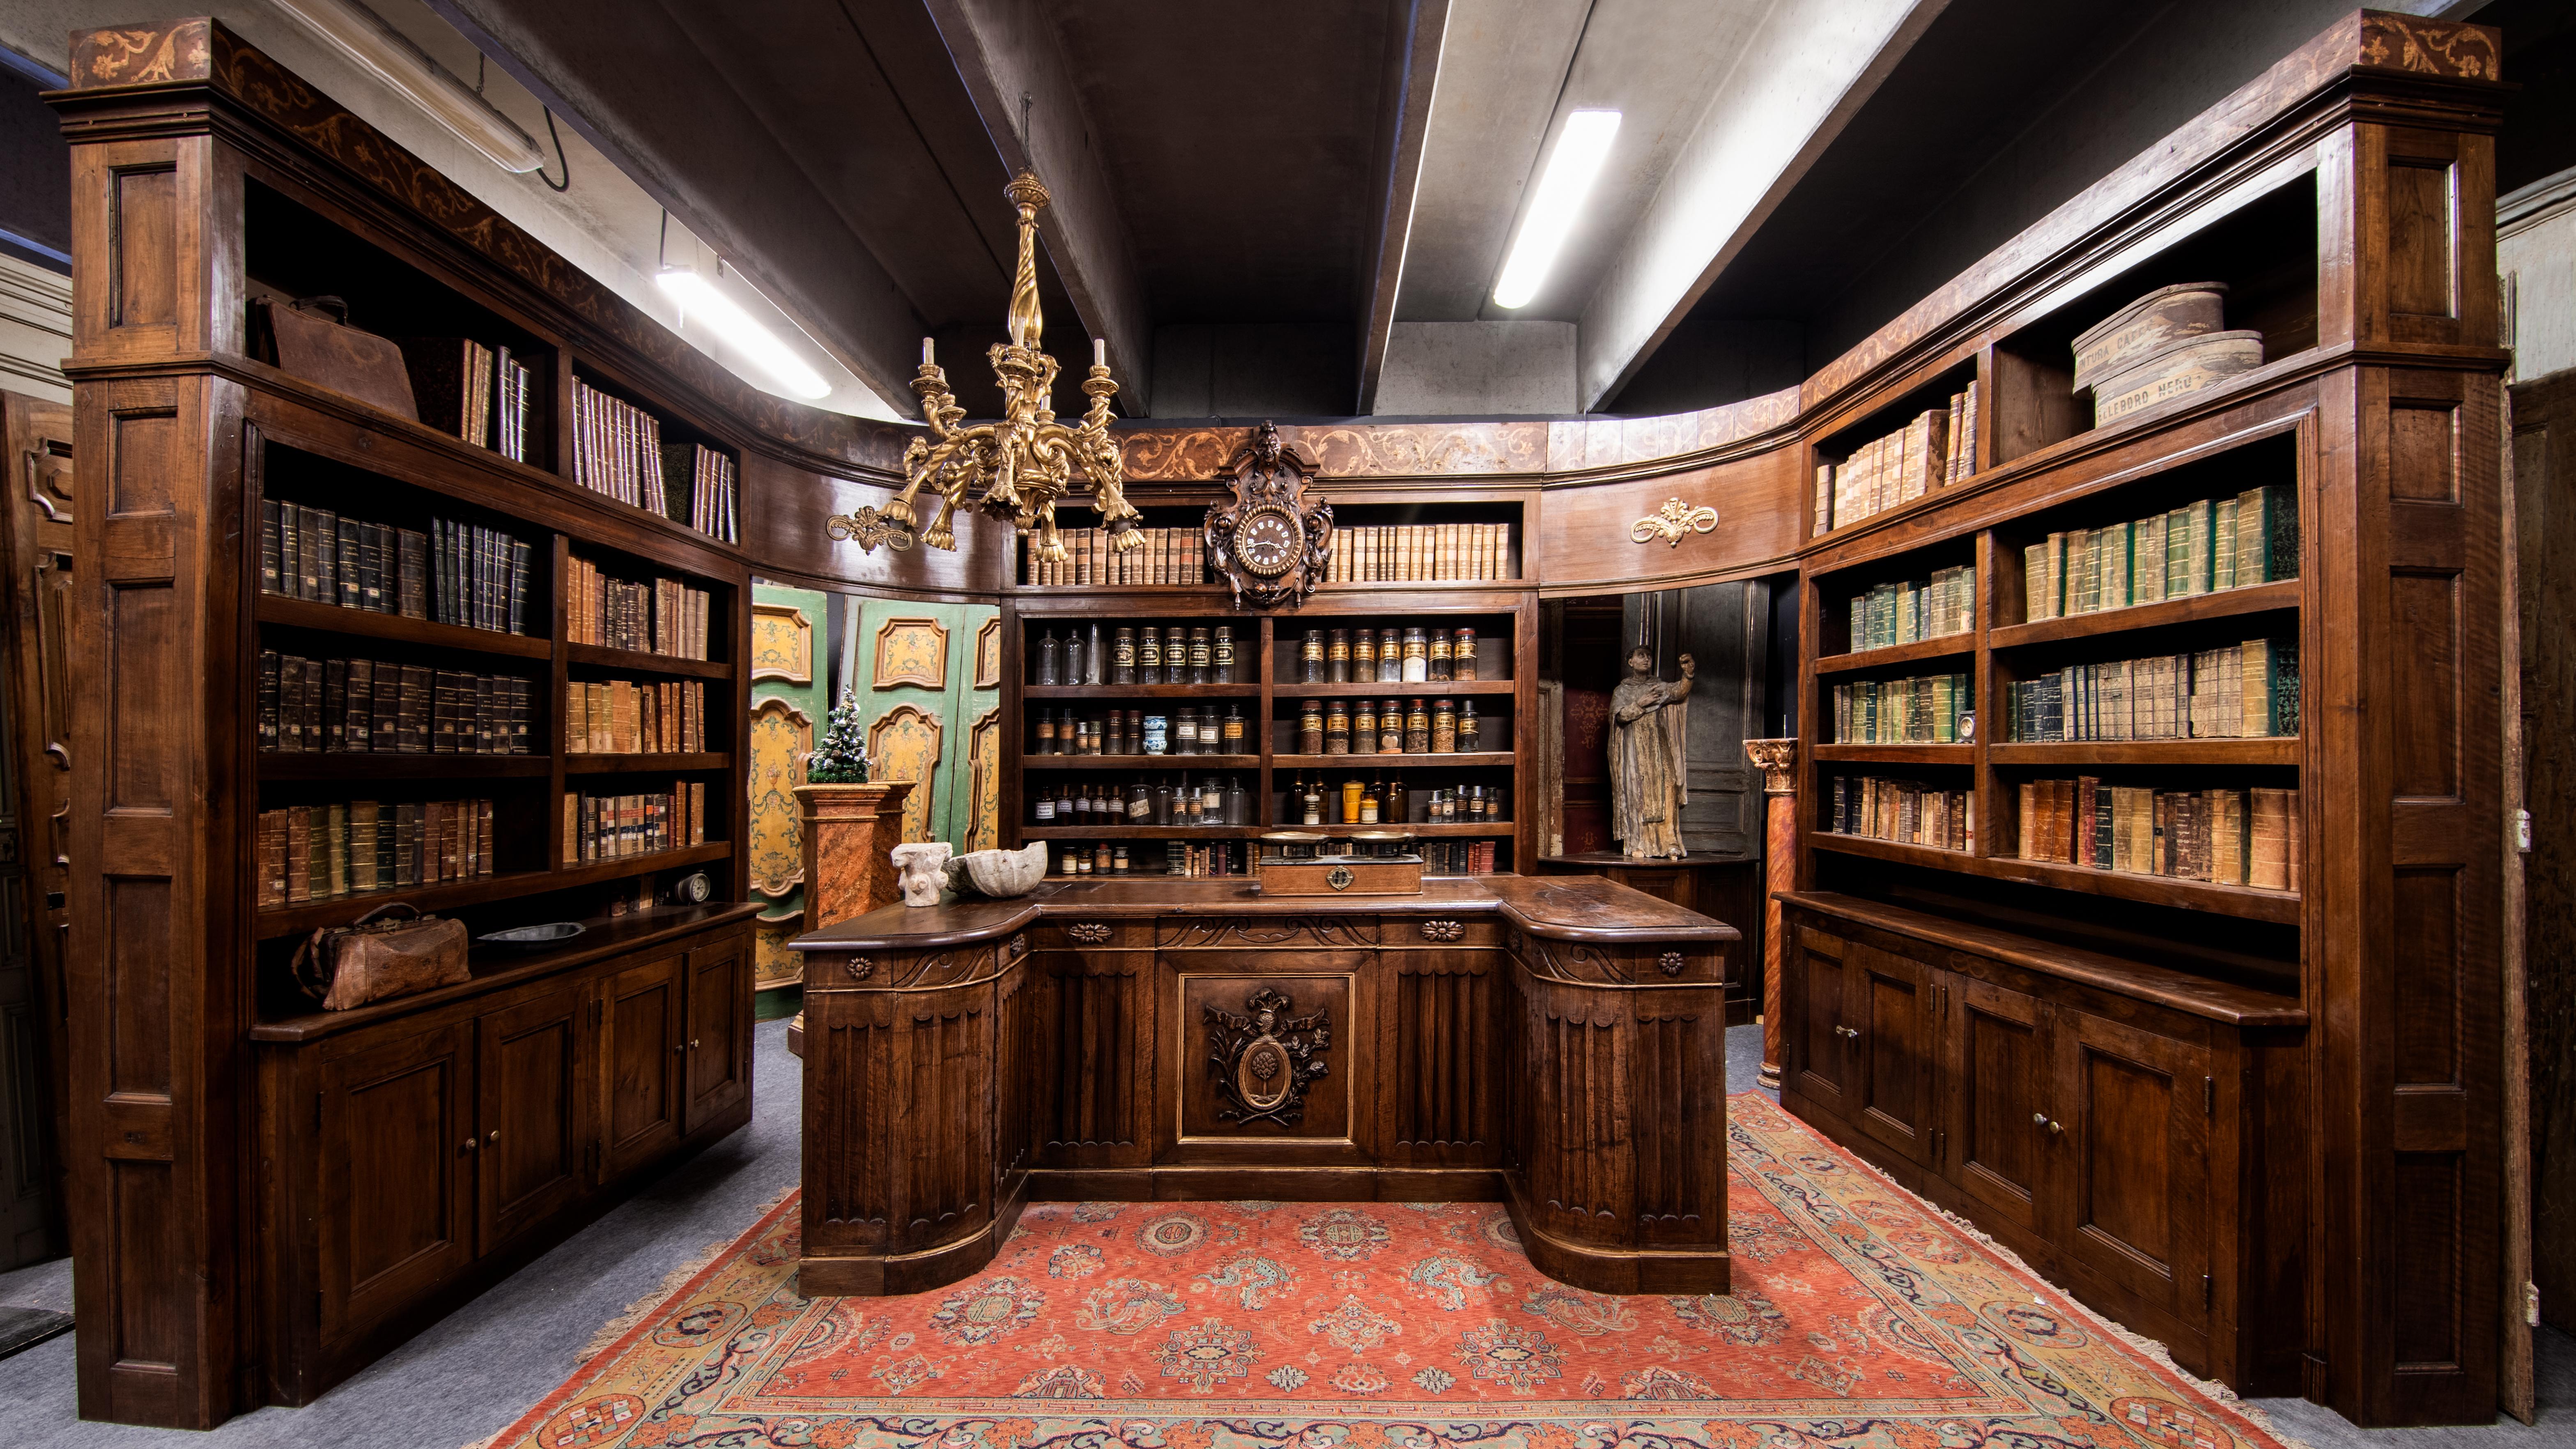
(484, 1365)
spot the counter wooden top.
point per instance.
(1564, 908)
(2179, 990)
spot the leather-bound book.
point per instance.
(451, 384)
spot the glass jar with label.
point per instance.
(1444, 727)
(1337, 658)
(1185, 732)
(1149, 656)
(1158, 734)
(1467, 742)
(1440, 656)
(1140, 805)
(1390, 728)
(1200, 650)
(1351, 789)
(1417, 728)
(1117, 744)
(1390, 656)
(1364, 656)
(1310, 728)
(1221, 655)
(1100, 858)
(1337, 728)
(1364, 728)
(1231, 732)
(1046, 808)
(1072, 858)
(1118, 860)
(1045, 739)
(1462, 657)
(1417, 657)
(1310, 802)
(1310, 658)
(1122, 656)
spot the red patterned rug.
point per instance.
(1859, 1318)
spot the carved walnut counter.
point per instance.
(1558, 1044)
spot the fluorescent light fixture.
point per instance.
(1575, 163)
(743, 331)
(362, 37)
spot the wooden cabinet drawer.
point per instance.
(1098, 935)
(1459, 930)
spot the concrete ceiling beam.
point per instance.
(1412, 83)
(1015, 71)
(1807, 70)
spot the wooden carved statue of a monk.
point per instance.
(1649, 779)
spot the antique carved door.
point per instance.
(789, 706)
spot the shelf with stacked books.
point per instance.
(631, 450)
(280, 765)
(1918, 651)
(2269, 750)
(2283, 595)
(1900, 751)
(1901, 451)
(1140, 762)
(331, 618)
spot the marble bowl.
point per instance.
(1001, 874)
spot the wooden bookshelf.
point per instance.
(217, 1264)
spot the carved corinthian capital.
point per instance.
(1779, 762)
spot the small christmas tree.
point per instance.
(841, 756)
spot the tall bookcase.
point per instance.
(2257, 1120)
(267, 1196)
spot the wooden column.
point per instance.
(1779, 762)
(848, 829)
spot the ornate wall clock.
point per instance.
(1271, 542)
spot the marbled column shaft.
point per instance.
(1779, 762)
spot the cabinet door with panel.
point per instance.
(1892, 1031)
(719, 1030)
(535, 1116)
(1818, 1066)
(642, 1047)
(2132, 1202)
(1996, 1077)
(397, 1173)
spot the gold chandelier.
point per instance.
(1024, 463)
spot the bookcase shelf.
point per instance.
(638, 661)
(1918, 754)
(1948, 646)
(398, 628)
(2278, 750)
(1390, 762)
(302, 916)
(2241, 902)
(1377, 688)
(612, 764)
(1495, 830)
(305, 765)
(2224, 604)
(1239, 690)
(1140, 762)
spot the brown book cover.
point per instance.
(2268, 849)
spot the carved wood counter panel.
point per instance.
(1558, 1045)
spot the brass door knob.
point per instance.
(492, 1136)
(2053, 1126)
(693, 1043)
(470, 1145)
(2039, 1119)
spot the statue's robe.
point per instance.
(1648, 774)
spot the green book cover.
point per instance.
(2178, 553)
(2151, 537)
(2222, 562)
(2193, 575)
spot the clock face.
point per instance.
(1266, 541)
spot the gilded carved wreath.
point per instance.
(1262, 1063)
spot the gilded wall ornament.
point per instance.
(1672, 522)
(867, 528)
(1263, 1062)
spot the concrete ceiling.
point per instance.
(1227, 175)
